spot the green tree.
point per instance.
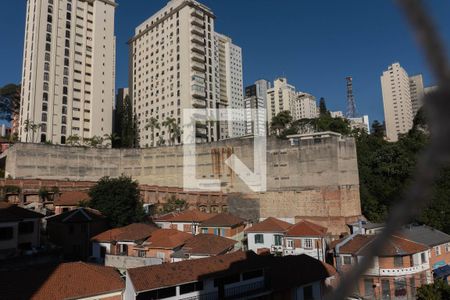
(73, 140)
(378, 129)
(153, 124)
(439, 290)
(118, 199)
(9, 101)
(323, 111)
(173, 204)
(280, 122)
(170, 124)
(128, 125)
(113, 140)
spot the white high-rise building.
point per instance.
(255, 104)
(68, 70)
(398, 112)
(229, 73)
(177, 62)
(304, 107)
(280, 98)
(417, 92)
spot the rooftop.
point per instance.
(65, 281)
(425, 235)
(167, 238)
(223, 220)
(283, 271)
(14, 213)
(185, 216)
(205, 244)
(72, 198)
(306, 228)
(397, 246)
(79, 215)
(130, 233)
(270, 225)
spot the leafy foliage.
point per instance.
(118, 199)
(385, 171)
(173, 204)
(126, 127)
(439, 290)
(9, 101)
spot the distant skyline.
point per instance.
(315, 44)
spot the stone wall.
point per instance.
(317, 178)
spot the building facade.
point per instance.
(417, 92)
(304, 106)
(68, 70)
(398, 109)
(280, 98)
(255, 104)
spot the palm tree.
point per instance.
(153, 124)
(34, 128)
(170, 124)
(161, 141)
(27, 128)
(73, 140)
(112, 138)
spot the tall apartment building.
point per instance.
(417, 92)
(280, 98)
(398, 112)
(68, 70)
(255, 104)
(177, 62)
(304, 106)
(229, 75)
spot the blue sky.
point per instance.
(315, 44)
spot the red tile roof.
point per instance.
(223, 220)
(129, 233)
(167, 239)
(208, 244)
(306, 228)
(10, 212)
(186, 216)
(284, 272)
(270, 225)
(65, 281)
(72, 198)
(397, 246)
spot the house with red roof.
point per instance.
(282, 238)
(402, 266)
(70, 200)
(267, 235)
(20, 229)
(204, 245)
(186, 221)
(75, 280)
(237, 275)
(226, 225)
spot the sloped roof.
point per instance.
(270, 225)
(284, 272)
(223, 220)
(167, 238)
(186, 216)
(397, 246)
(79, 215)
(65, 281)
(129, 233)
(72, 198)
(207, 244)
(12, 213)
(306, 228)
(425, 235)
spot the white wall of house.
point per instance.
(315, 252)
(96, 249)
(268, 241)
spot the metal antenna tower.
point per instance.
(351, 105)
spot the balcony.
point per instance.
(198, 14)
(127, 262)
(198, 57)
(197, 22)
(198, 103)
(398, 271)
(198, 40)
(198, 66)
(198, 31)
(197, 48)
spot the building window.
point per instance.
(278, 240)
(191, 287)
(308, 243)
(423, 256)
(398, 261)
(63, 129)
(44, 117)
(44, 106)
(437, 250)
(447, 247)
(205, 230)
(290, 243)
(44, 128)
(142, 253)
(347, 260)
(259, 239)
(385, 289)
(46, 86)
(400, 287)
(6, 233)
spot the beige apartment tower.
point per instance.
(398, 113)
(68, 70)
